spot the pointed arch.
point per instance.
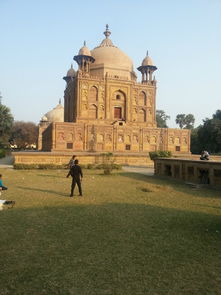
(93, 94)
(142, 115)
(119, 95)
(119, 105)
(142, 98)
(93, 111)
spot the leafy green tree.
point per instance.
(195, 145)
(189, 121)
(208, 135)
(185, 121)
(6, 122)
(161, 118)
(24, 134)
(217, 115)
(180, 120)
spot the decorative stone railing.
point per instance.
(195, 171)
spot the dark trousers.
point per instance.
(4, 188)
(74, 181)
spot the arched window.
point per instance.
(93, 94)
(118, 96)
(119, 105)
(142, 116)
(93, 112)
(142, 99)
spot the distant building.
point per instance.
(106, 109)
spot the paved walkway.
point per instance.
(138, 169)
(6, 162)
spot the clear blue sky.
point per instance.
(39, 39)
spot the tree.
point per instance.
(195, 145)
(207, 136)
(161, 118)
(189, 120)
(24, 134)
(217, 115)
(6, 121)
(185, 121)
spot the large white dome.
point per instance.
(109, 58)
(55, 115)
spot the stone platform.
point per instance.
(188, 170)
(60, 158)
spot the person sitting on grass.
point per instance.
(2, 187)
(77, 176)
(3, 203)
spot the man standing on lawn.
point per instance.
(77, 175)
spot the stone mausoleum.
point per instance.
(106, 109)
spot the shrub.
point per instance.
(160, 154)
(25, 166)
(107, 171)
(2, 153)
(90, 166)
(53, 166)
(112, 166)
(116, 166)
(107, 162)
(38, 166)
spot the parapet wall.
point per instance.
(196, 171)
(83, 157)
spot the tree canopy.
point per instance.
(207, 136)
(185, 121)
(6, 122)
(24, 134)
(161, 118)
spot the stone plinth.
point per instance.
(196, 171)
(57, 158)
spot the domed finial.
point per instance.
(107, 32)
(147, 52)
(84, 43)
(59, 101)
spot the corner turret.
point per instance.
(147, 68)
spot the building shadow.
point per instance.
(110, 248)
(48, 175)
(176, 184)
(54, 192)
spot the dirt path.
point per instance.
(141, 170)
(7, 162)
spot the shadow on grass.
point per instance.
(207, 206)
(177, 185)
(43, 190)
(113, 249)
(48, 175)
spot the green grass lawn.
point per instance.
(129, 234)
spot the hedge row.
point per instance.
(52, 166)
(160, 154)
(38, 166)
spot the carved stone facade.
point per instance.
(106, 109)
